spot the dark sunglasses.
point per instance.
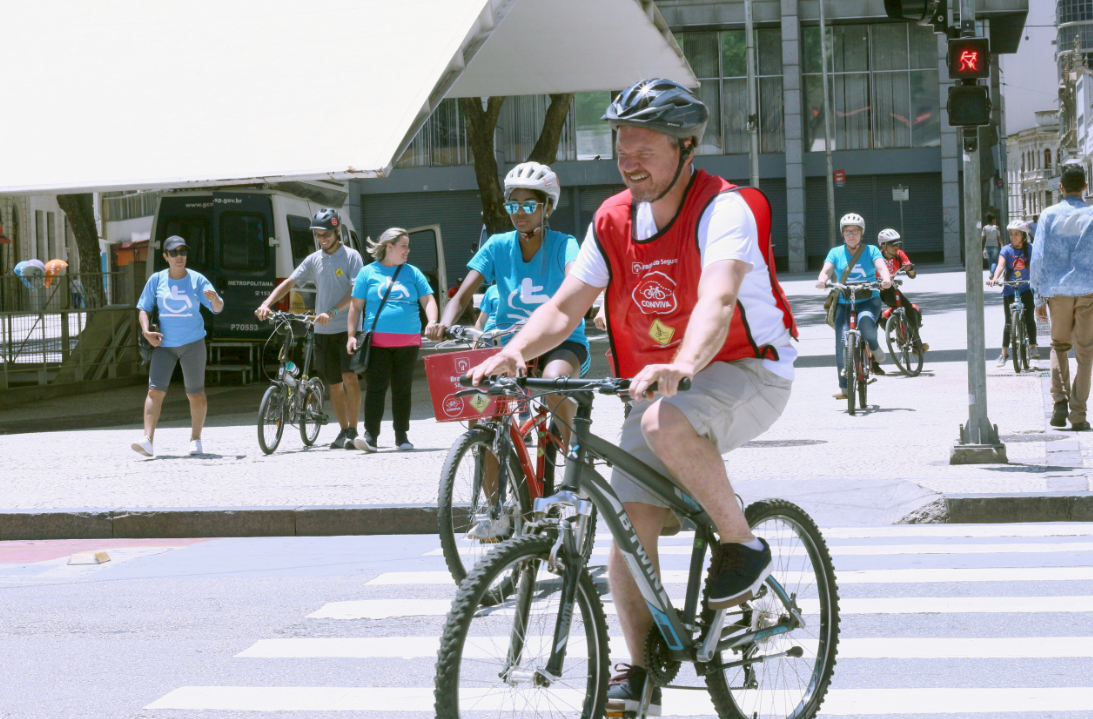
(180, 251)
(529, 206)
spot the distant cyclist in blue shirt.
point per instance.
(1015, 265)
(487, 310)
(528, 265)
(178, 294)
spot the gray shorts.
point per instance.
(163, 363)
(729, 403)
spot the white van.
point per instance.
(247, 240)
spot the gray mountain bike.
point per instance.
(527, 634)
(293, 397)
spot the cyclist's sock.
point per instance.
(754, 544)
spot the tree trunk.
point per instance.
(80, 210)
(481, 125)
(546, 147)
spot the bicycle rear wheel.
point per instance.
(271, 419)
(863, 378)
(462, 502)
(902, 342)
(784, 686)
(312, 417)
(850, 353)
(489, 655)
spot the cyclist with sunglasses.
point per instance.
(528, 265)
(178, 294)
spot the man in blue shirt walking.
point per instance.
(1062, 273)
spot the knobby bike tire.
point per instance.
(821, 632)
(850, 351)
(532, 551)
(451, 524)
(271, 413)
(1015, 340)
(1024, 345)
(863, 384)
(312, 412)
(915, 354)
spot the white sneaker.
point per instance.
(878, 355)
(492, 530)
(144, 446)
(195, 447)
(1002, 360)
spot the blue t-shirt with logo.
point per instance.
(179, 303)
(489, 306)
(864, 269)
(523, 286)
(400, 315)
(1018, 268)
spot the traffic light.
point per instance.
(969, 106)
(920, 12)
(969, 58)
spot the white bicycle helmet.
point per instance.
(888, 236)
(534, 176)
(852, 218)
(1019, 225)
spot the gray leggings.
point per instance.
(163, 364)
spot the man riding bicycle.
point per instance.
(686, 261)
(332, 268)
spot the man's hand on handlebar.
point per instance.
(505, 362)
(262, 312)
(435, 331)
(665, 376)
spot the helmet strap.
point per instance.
(684, 152)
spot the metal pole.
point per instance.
(832, 236)
(978, 441)
(753, 97)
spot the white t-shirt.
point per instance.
(726, 231)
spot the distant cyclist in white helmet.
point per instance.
(856, 261)
(1015, 265)
(528, 265)
(891, 248)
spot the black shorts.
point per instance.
(576, 348)
(331, 357)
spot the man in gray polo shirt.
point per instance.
(332, 268)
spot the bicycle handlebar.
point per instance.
(608, 385)
(279, 316)
(854, 285)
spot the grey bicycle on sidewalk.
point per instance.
(527, 633)
(855, 362)
(294, 397)
(1019, 340)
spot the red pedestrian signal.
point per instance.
(969, 58)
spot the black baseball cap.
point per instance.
(174, 242)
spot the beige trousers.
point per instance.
(1071, 327)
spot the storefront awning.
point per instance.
(124, 94)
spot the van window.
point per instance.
(301, 238)
(193, 229)
(244, 244)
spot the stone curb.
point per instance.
(1007, 508)
(161, 523)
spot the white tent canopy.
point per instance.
(127, 94)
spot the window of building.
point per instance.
(243, 241)
(1047, 159)
(51, 236)
(719, 60)
(593, 135)
(882, 84)
(40, 249)
(441, 141)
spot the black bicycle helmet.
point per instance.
(326, 219)
(660, 105)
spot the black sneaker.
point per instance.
(1058, 415)
(340, 441)
(366, 442)
(350, 435)
(624, 692)
(736, 573)
(403, 442)
(876, 368)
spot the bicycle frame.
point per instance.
(676, 629)
(286, 356)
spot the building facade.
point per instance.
(1034, 156)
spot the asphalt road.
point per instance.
(937, 621)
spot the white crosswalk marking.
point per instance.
(933, 592)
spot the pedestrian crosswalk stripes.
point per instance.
(839, 702)
(893, 604)
(849, 648)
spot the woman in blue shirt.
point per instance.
(397, 336)
(487, 310)
(869, 265)
(178, 294)
(1015, 262)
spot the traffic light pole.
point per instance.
(978, 442)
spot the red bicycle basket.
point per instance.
(444, 370)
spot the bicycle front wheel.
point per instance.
(271, 419)
(467, 493)
(850, 355)
(1015, 339)
(784, 686)
(312, 416)
(493, 657)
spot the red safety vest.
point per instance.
(653, 283)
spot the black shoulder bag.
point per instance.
(143, 345)
(358, 363)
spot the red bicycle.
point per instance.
(489, 482)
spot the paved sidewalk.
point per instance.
(879, 464)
